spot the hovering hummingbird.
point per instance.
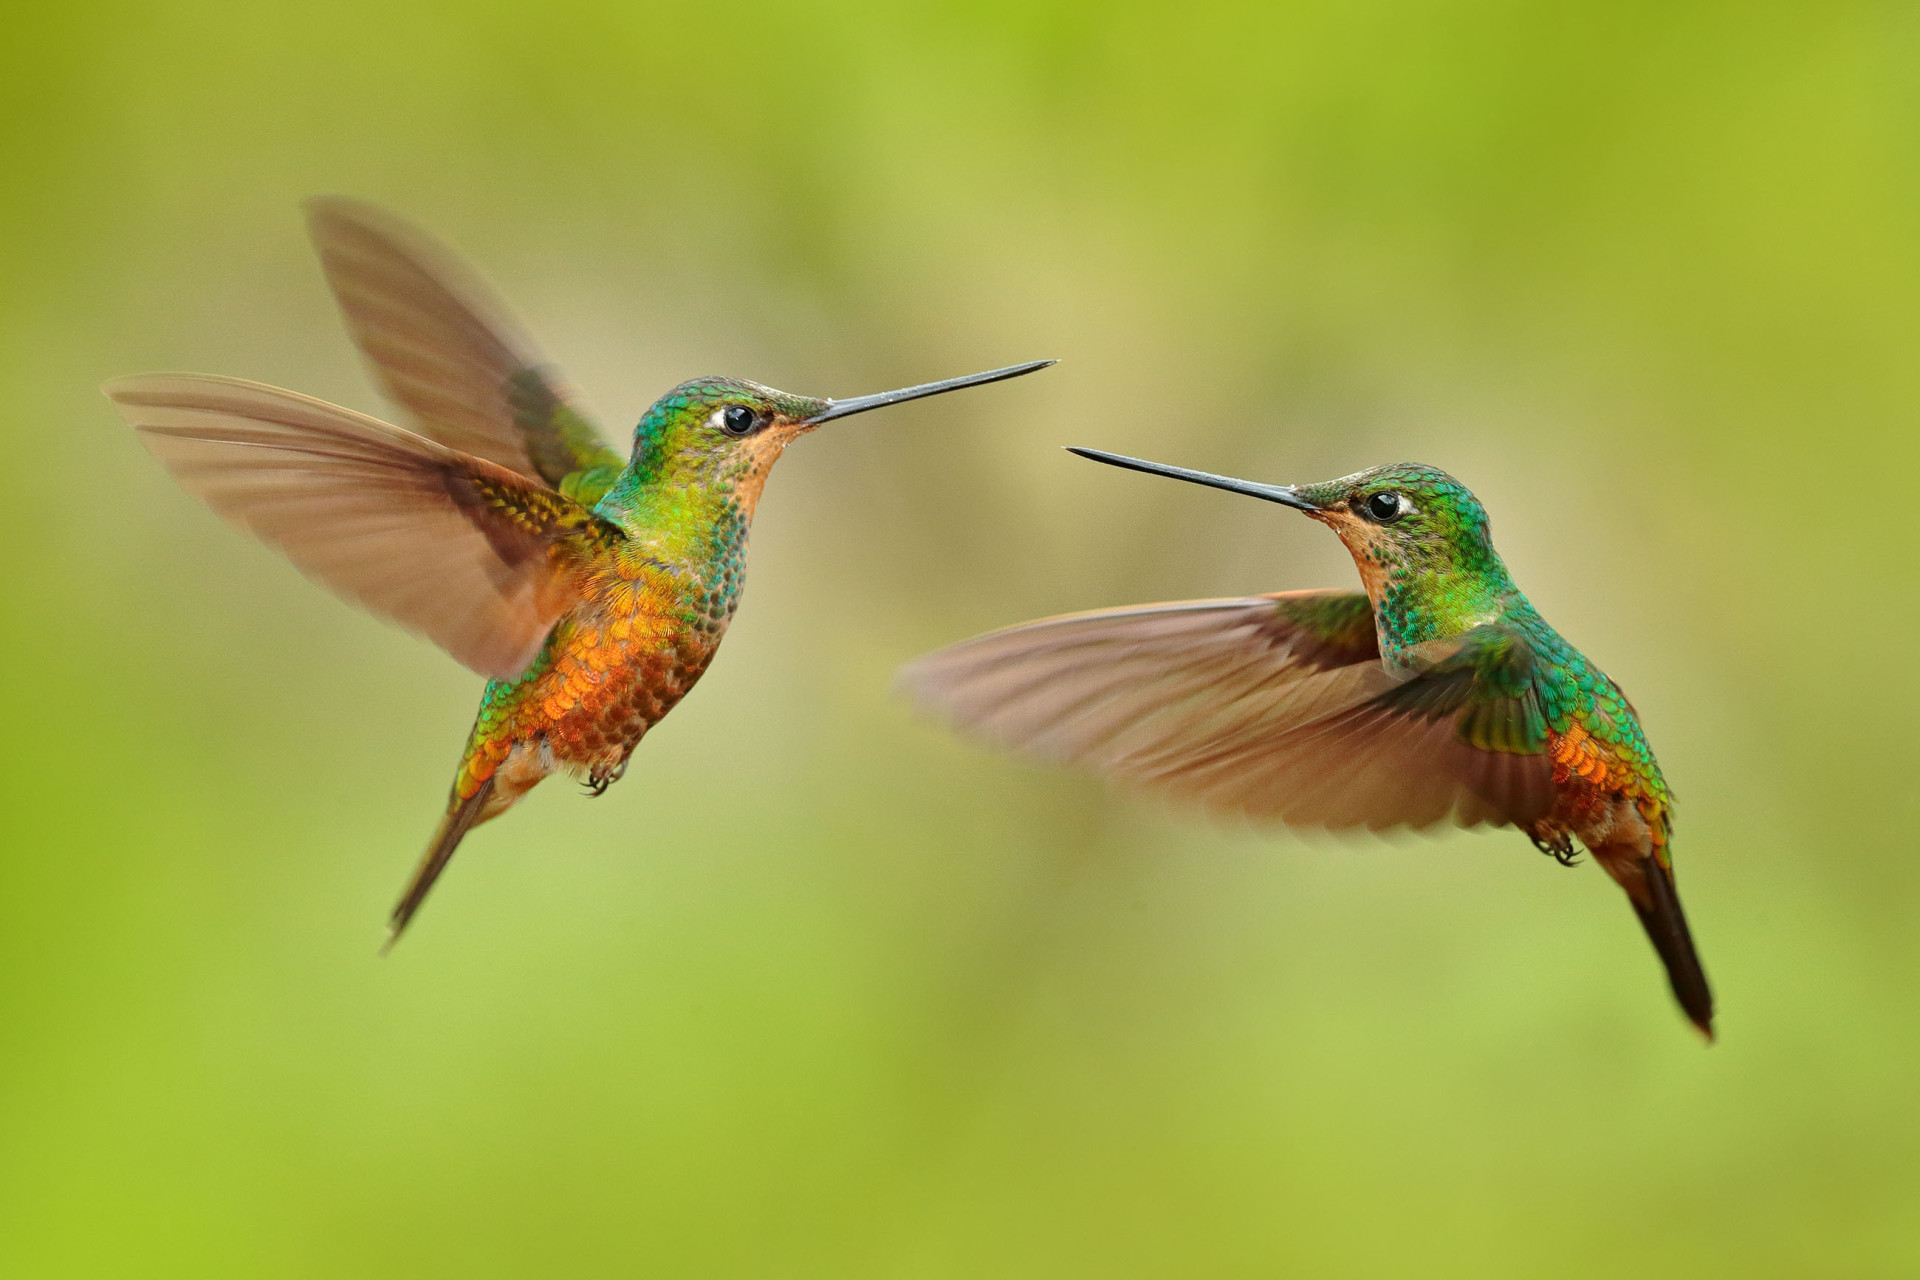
(1437, 694)
(591, 590)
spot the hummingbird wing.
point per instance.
(1123, 689)
(1270, 706)
(477, 558)
(1469, 729)
(444, 347)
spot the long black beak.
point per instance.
(1283, 494)
(880, 400)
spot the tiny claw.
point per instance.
(1557, 845)
(600, 779)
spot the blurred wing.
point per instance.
(444, 346)
(1273, 707)
(1122, 689)
(476, 558)
(1464, 740)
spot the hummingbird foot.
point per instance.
(1557, 845)
(600, 779)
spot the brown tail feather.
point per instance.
(460, 819)
(1658, 906)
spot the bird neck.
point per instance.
(683, 517)
(1432, 593)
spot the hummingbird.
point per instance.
(592, 590)
(1438, 693)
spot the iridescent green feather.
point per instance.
(562, 445)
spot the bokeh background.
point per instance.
(818, 991)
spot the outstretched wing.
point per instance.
(444, 346)
(1272, 706)
(475, 557)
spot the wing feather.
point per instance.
(444, 346)
(1275, 707)
(477, 558)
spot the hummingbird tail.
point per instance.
(1649, 885)
(462, 816)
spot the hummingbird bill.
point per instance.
(1436, 694)
(591, 589)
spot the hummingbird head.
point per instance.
(1405, 516)
(1420, 539)
(717, 434)
(726, 433)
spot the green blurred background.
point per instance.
(818, 991)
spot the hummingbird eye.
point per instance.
(736, 420)
(1386, 506)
